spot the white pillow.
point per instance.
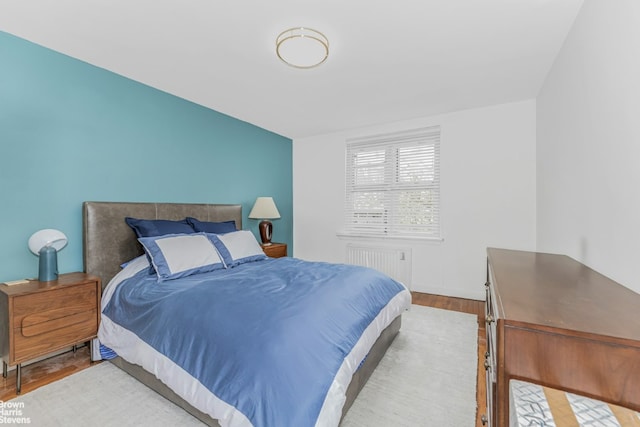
(238, 247)
(179, 255)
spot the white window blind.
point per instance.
(393, 184)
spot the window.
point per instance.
(393, 184)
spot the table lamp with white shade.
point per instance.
(265, 209)
(46, 244)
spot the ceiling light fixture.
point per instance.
(302, 47)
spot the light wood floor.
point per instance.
(49, 370)
(45, 371)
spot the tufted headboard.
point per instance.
(109, 242)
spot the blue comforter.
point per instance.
(267, 337)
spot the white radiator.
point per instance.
(394, 262)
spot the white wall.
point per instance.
(588, 149)
(488, 195)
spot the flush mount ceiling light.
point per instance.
(302, 47)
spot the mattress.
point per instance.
(535, 405)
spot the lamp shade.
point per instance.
(46, 244)
(264, 208)
(47, 237)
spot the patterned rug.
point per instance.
(534, 405)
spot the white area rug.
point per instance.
(427, 378)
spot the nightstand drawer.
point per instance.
(58, 303)
(46, 337)
(37, 324)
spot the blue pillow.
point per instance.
(180, 255)
(238, 247)
(158, 227)
(212, 227)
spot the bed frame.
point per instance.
(109, 242)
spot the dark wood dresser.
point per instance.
(554, 321)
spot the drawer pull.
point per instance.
(484, 419)
(489, 319)
(487, 365)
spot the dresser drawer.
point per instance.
(491, 332)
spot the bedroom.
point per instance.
(555, 171)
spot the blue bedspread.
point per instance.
(266, 337)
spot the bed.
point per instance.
(109, 243)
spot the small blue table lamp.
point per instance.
(46, 244)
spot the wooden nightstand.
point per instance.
(275, 250)
(38, 318)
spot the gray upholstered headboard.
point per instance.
(109, 242)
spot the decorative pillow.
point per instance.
(212, 227)
(179, 255)
(238, 247)
(158, 227)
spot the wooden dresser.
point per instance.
(554, 321)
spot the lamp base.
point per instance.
(266, 230)
(48, 265)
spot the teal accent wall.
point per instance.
(71, 132)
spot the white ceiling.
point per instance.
(388, 60)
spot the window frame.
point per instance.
(382, 189)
